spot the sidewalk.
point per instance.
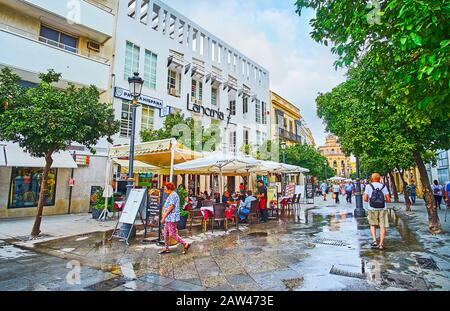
(52, 227)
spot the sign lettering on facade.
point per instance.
(206, 111)
(143, 99)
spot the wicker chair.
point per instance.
(219, 215)
(254, 211)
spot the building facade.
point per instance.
(342, 165)
(102, 43)
(188, 70)
(287, 124)
(76, 40)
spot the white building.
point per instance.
(75, 38)
(189, 70)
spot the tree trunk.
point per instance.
(405, 192)
(434, 224)
(40, 207)
(391, 176)
(388, 185)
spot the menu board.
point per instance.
(153, 206)
(309, 191)
(271, 193)
(136, 199)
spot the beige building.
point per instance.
(341, 164)
(287, 123)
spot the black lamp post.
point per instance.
(359, 210)
(136, 83)
(283, 148)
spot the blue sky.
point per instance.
(272, 34)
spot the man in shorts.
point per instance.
(377, 195)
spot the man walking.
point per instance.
(412, 191)
(438, 193)
(376, 194)
(349, 191)
(262, 190)
(324, 188)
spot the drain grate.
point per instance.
(107, 285)
(341, 272)
(329, 242)
(258, 234)
(427, 263)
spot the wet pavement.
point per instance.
(322, 248)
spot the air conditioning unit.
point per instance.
(93, 46)
(173, 91)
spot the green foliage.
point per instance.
(306, 156)
(187, 131)
(410, 44)
(45, 119)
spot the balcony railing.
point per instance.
(286, 135)
(80, 52)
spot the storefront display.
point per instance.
(26, 185)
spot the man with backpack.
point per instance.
(377, 195)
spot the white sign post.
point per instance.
(135, 205)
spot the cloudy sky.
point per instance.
(272, 34)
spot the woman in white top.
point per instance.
(336, 190)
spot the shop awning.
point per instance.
(16, 156)
(156, 153)
(139, 167)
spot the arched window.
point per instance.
(334, 163)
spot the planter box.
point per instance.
(182, 223)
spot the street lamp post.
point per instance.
(283, 148)
(359, 210)
(135, 83)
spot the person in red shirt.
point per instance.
(262, 190)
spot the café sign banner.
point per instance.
(143, 99)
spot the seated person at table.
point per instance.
(244, 209)
(226, 198)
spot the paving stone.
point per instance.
(239, 279)
(184, 286)
(156, 279)
(16, 284)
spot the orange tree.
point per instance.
(45, 119)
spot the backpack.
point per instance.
(436, 190)
(377, 199)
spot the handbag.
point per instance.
(334, 195)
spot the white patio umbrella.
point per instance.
(219, 163)
(108, 190)
(336, 178)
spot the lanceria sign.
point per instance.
(213, 113)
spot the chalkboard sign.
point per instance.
(153, 206)
(309, 191)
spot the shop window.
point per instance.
(26, 185)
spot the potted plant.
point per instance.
(99, 204)
(185, 208)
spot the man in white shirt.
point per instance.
(377, 195)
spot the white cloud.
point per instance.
(276, 38)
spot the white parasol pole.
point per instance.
(172, 156)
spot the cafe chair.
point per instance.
(194, 215)
(291, 203)
(219, 216)
(254, 211)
